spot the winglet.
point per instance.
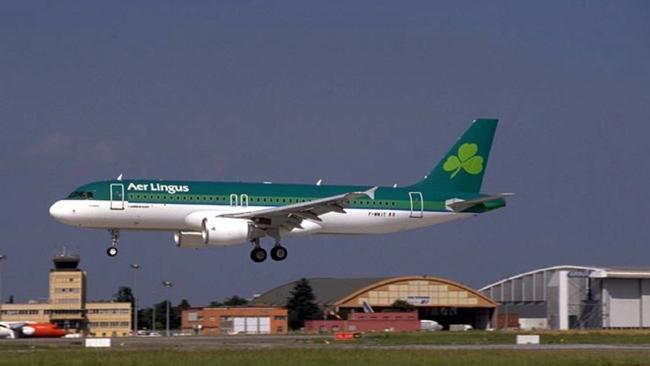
(371, 192)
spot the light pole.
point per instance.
(153, 317)
(135, 268)
(167, 284)
(2, 258)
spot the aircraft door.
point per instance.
(117, 196)
(416, 204)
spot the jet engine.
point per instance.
(189, 239)
(223, 231)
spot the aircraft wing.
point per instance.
(462, 205)
(291, 216)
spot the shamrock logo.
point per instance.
(466, 160)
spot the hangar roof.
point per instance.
(591, 271)
(326, 290)
(350, 292)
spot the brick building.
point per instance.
(235, 320)
(368, 322)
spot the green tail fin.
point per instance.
(462, 169)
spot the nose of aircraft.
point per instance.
(58, 211)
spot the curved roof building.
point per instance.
(439, 299)
(570, 296)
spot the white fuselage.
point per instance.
(188, 217)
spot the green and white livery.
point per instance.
(204, 214)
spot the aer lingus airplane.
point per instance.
(203, 214)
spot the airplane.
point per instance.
(204, 214)
(30, 330)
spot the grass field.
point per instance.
(372, 349)
(505, 337)
(289, 357)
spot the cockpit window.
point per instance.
(81, 195)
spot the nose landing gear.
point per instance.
(115, 240)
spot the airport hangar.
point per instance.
(568, 297)
(438, 299)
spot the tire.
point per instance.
(279, 253)
(111, 251)
(258, 255)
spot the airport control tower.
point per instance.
(67, 290)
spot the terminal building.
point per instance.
(568, 297)
(445, 301)
(67, 306)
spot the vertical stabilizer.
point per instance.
(462, 169)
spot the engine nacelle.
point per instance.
(224, 231)
(189, 239)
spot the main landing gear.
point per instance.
(115, 239)
(258, 254)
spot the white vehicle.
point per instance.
(460, 327)
(430, 325)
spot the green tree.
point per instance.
(235, 301)
(144, 318)
(301, 305)
(401, 305)
(184, 304)
(161, 315)
(125, 294)
(229, 301)
(176, 314)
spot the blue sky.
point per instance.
(358, 92)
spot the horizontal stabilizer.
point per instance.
(458, 205)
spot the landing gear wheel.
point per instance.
(115, 240)
(258, 255)
(279, 253)
(111, 251)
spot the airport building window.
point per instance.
(20, 312)
(67, 301)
